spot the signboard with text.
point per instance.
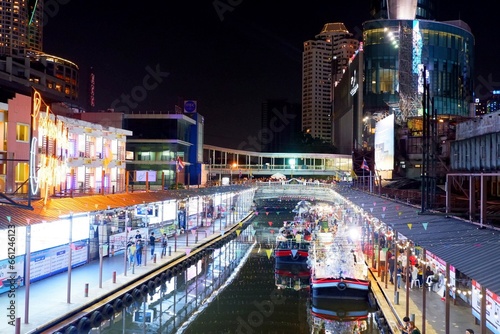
(54, 260)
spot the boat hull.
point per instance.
(340, 288)
(290, 256)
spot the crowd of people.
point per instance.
(413, 274)
(135, 247)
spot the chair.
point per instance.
(415, 281)
(429, 283)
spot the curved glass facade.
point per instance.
(446, 49)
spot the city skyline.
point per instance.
(230, 57)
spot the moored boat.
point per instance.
(340, 287)
(338, 268)
(291, 251)
(292, 242)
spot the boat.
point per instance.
(338, 268)
(291, 251)
(292, 243)
(292, 276)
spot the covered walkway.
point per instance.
(225, 162)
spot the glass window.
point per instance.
(22, 172)
(22, 132)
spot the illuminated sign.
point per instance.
(190, 106)
(33, 173)
(53, 134)
(354, 83)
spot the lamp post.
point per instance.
(233, 166)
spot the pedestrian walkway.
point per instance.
(48, 298)
(394, 307)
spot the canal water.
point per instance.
(237, 289)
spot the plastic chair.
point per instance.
(429, 283)
(415, 281)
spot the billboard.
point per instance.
(145, 175)
(384, 144)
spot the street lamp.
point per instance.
(234, 165)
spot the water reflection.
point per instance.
(292, 275)
(327, 315)
(170, 307)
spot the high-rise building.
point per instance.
(23, 63)
(20, 26)
(323, 61)
(412, 74)
(493, 103)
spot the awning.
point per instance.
(470, 249)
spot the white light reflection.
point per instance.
(215, 293)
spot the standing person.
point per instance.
(420, 274)
(138, 235)
(404, 327)
(164, 244)
(138, 251)
(399, 272)
(392, 262)
(152, 241)
(131, 249)
(412, 328)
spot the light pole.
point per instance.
(233, 166)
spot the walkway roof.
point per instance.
(58, 207)
(467, 247)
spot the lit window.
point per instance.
(22, 172)
(22, 132)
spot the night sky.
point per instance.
(229, 59)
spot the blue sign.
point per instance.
(189, 106)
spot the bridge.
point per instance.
(224, 162)
(294, 189)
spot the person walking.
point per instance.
(152, 241)
(164, 244)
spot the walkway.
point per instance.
(461, 316)
(48, 297)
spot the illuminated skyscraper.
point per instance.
(323, 62)
(20, 26)
(23, 62)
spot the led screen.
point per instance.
(384, 144)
